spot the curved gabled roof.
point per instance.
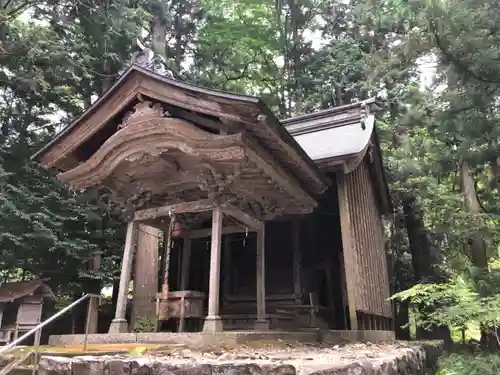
(242, 113)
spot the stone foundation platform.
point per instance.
(398, 358)
(225, 339)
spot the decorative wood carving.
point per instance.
(155, 161)
(141, 110)
(246, 114)
(149, 138)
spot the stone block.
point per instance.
(54, 366)
(137, 368)
(117, 367)
(278, 370)
(118, 338)
(237, 369)
(163, 368)
(87, 366)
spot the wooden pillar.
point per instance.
(145, 274)
(213, 322)
(119, 323)
(349, 252)
(330, 291)
(94, 288)
(261, 324)
(297, 260)
(228, 277)
(186, 263)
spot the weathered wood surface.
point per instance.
(235, 113)
(372, 279)
(119, 323)
(29, 314)
(207, 232)
(350, 260)
(215, 262)
(153, 159)
(201, 205)
(146, 273)
(172, 307)
(242, 217)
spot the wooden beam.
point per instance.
(179, 208)
(186, 257)
(270, 167)
(261, 324)
(198, 119)
(297, 260)
(119, 323)
(349, 252)
(226, 286)
(242, 217)
(207, 232)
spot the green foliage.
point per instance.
(469, 364)
(456, 304)
(144, 324)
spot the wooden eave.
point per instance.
(233, 113)
(164, 155)
(338, 117)
(10, 292)
(333, 117)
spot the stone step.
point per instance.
(24, 370)
(80, 353)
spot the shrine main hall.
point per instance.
(236, 220)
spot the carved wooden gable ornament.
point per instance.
(153, 141)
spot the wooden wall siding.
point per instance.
(372, 284)
(146, 272)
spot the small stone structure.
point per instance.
(387, 359)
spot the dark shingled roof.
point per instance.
(10, 292)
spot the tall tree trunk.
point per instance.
(425, 260)
(159, 36)
(399, 278)
(477, 246)
(477, 243)
(401, 320)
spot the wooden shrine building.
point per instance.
(281, 222)
(21, 308)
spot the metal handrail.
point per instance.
(6, 348)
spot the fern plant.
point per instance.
(456, 304)
(144, 324)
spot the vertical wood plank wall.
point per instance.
(146, 273)
(372, 282)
